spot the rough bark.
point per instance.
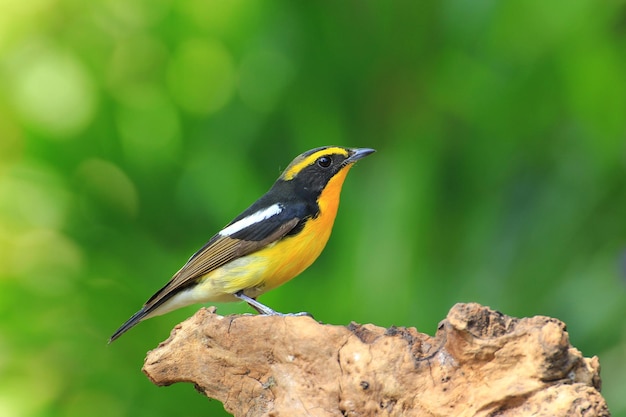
(480, 363)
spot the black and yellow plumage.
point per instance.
(272, 241)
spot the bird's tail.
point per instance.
(136, 318)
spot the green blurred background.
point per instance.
(131, 131)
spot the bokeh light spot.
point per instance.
(46, 262)
(52, 90)
(31, 196)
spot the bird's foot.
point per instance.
(265, 310)
(300, 314)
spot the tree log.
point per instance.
(480, 363)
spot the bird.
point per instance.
(268, 244)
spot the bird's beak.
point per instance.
(358, 153)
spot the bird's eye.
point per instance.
(324, 161)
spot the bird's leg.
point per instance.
(262, 308)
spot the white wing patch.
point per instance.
(256, 217)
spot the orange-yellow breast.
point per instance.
(296, 253)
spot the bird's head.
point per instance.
(314, 169)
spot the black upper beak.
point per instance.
(358, 153)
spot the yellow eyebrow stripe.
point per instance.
(300, 163)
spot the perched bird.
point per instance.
(272, 241)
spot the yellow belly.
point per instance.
(267, 268)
